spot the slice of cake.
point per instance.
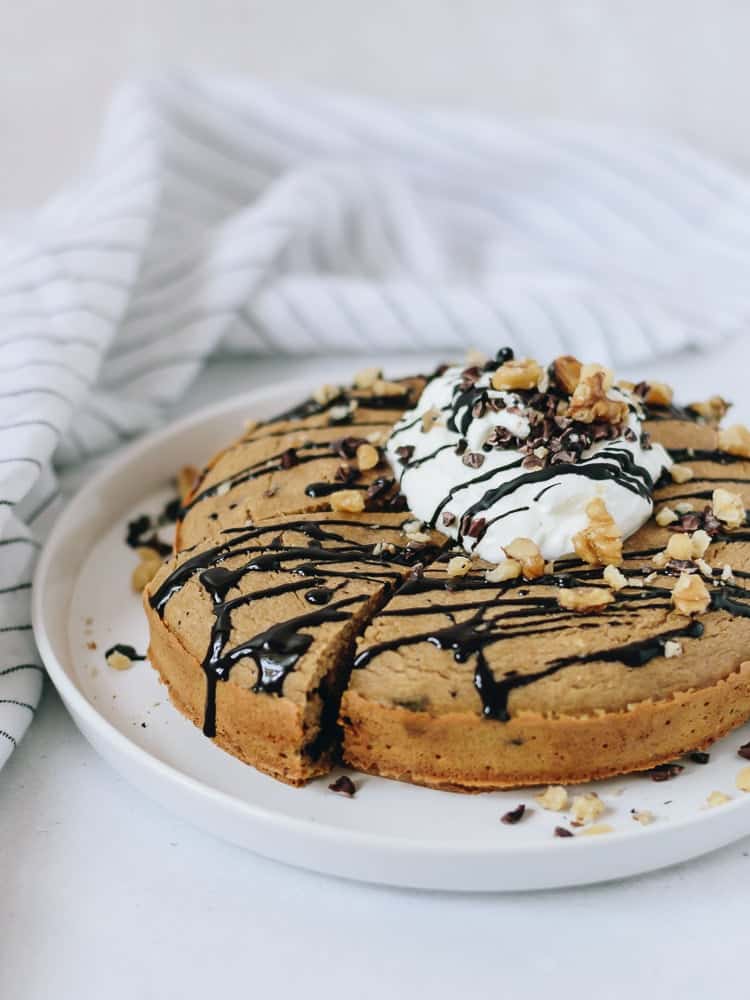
(252, 632)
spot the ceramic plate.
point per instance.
(389, 833)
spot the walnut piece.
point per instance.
(590, 401)
(665, 516)
(735, 440)
(700, 541)
(728, 507)
(642, 816)
(614, 578)
(430, 418)
(458, 566)
(742, 781)
(347, 501)
(567, 372)
(658, 394)
(679, 547)
(586, 808)
(554, 798)
(118, 661)
(527, 553)
(383, 388)
(717, 799)
(713, 410)
(508, 569)
(690, 595)
(597, 829)
(521, 374)
(583, 599)
(672, 649)
(367, 457)
(600, 543)
(324, 394)
(681, 473)
(367, 377)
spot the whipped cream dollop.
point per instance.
(486, 466)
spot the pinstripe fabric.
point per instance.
(220, 214)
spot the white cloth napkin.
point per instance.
(226, 214)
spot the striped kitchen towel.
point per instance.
(223, 214)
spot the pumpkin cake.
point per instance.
(501, 575)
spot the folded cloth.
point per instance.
(223, 214)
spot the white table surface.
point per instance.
(103, 895)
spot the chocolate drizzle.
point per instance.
(328, 555)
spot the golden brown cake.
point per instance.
(307, 590)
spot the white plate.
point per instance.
(389, 833)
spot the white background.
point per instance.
(680, 65)
(102, 894)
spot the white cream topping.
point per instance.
(547, 505)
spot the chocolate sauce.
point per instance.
(124, 650)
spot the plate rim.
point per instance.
(85, 713)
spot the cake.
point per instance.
(499, 575)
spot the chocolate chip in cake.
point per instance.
(288, 458)
(344, 786)
(664, 772)
(513, 816)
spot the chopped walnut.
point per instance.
(508, 569)
(672, 649)
(583, 599)
(187, 477)
(713, 410)
(681, 473)
(679, 547)
(517, 375)
(684, 507)
(593, 369)
(659, 560)
(742, 781)
(586, 808)
(430, 418)
(383, 548)
(590, 401)
(600, 543)
(554, 798)
(717, 799)
(567, 372)
(324, 394)
(527, 553)
(690, 595)
(458, 566)
(367, 377)
(597, 830)
(367, 457)
(726, 573)
(118, 661)
(665, 516)
(735, 440)
(704, 568)
(700, 541)
(728, 508)
(348, 501)
(411, 527)
(383, 388)
(642, 816)
(658, 394)
(614, 578)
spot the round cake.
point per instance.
(498, 575)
